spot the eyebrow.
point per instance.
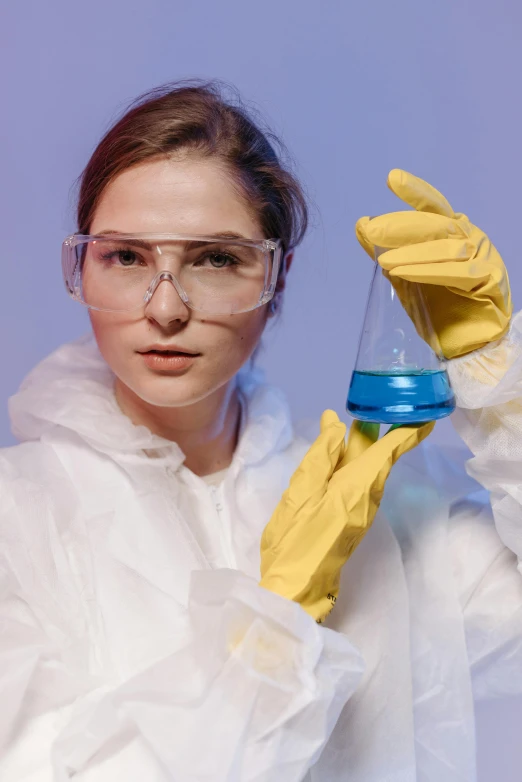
(193, 242)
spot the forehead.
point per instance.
(191, 196)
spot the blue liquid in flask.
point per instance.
(400, 397)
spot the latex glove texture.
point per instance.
(463, 277)
(330, 503)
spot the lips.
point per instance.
(169, 361)
(168, 352)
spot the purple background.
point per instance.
(355, 89)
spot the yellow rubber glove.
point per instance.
(327, 509)
(463, 277)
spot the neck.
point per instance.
(207, 431)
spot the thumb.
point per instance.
(310, 480)
(362, 237)
(361, 436)
(328, 418)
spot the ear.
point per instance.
(285, 268)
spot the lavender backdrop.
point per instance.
(354, 89)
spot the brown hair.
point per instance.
(196, 116)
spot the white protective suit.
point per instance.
(136, 644)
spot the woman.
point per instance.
(137, 642)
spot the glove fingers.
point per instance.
(361, 436)
(370, 470)
(417, 193)
(397, 229)
(310, 480)
(395, 443)
(454, 275)
(437, 251)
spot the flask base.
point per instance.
(400, 397)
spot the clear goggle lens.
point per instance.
(119, 274)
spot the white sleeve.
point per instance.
(486, 531)
(254, 694)
(489, 588)
(488, 388)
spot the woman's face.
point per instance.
(187, 196)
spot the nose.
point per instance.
(166, 304)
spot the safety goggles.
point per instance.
(213, 274)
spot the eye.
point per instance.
(123, 257)
(126, 257)
(220, 260)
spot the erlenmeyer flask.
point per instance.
(398, 376)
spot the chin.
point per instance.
(173, 390)
(167, 391)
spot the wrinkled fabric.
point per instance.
(136, 643)
(489, 418)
